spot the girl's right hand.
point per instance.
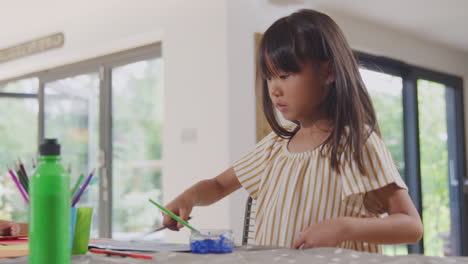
(182, 208)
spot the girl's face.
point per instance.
(298, 95)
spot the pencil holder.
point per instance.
(211, 241)
(72, 225)
(82, 229)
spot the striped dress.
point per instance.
(294, 190)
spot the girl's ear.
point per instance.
(326, 71)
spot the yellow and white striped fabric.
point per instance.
(295, 190)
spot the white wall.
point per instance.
(194, 52)
(208, 51)
(193, 34)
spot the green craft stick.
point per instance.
(171, 214)
(77, 184)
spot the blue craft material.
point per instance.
(219, 245)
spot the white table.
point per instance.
(254, 254)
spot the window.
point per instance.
(71, 114)
(421, 119)
(386, 93)
(107, 115)
(137, 121)
(18, 130)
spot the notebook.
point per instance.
(143, 246)
(14, 251)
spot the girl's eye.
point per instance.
(284, 76)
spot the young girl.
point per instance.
(326, 180)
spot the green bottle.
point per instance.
(49, 232)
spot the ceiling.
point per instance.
(441, 21)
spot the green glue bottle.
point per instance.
(49, 231)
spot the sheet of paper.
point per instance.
(14, 251)
(144, 246)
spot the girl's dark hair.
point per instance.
(308, 36)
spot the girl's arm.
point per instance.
(402, 225)
(202, 193)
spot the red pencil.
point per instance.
(118, 253)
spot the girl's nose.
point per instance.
(275, 89)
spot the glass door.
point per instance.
(137, 119)
(439, 182)
(71, 114)
(419, 114)
(386, 91)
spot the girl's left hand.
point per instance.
(5, 227)
(19, 229)
(328, 233)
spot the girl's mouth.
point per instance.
(281, 107)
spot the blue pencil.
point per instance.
(82, 189)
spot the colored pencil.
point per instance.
(94, 180)
(22, 180)
(172, 215)
(78, 195)
(118, 253)
(77, 184)
(23, 169)
(20, 188)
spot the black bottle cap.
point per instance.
(49, 147)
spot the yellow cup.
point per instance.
(82, 230)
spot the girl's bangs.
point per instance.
(278, 52)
